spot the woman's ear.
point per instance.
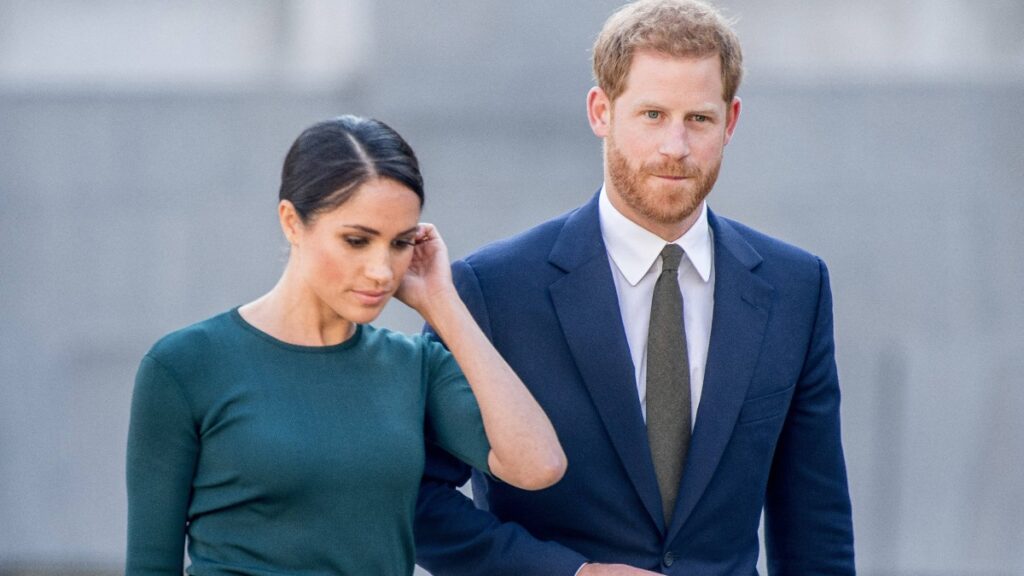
(291, 223)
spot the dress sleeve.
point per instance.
(453, 416)
(454, 537)
(163, 446)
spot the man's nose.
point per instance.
(675, 142)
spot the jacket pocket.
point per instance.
(765, 407)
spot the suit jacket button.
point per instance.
(668, 559)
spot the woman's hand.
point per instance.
(525, 451)
(428, 280)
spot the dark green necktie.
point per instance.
(668, 381)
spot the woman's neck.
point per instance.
(293, 313)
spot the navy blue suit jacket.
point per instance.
(766, 435)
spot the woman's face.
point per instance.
(354, 256)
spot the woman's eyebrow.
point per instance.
(362, 228)
(374, 232)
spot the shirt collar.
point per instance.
(634, 249)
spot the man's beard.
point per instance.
(664, 204)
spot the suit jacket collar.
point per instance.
(587, 308)
(743, 302)
(580, 238)
(634, 250)
(588, 311)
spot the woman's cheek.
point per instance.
(403, 264)
(324, 268)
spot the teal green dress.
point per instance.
(273, 458)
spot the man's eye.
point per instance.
(356, 241)
(700, 118)
(652, 114)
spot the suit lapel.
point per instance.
(588, 311)
(741, 310)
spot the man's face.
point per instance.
(664, 138)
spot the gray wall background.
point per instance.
(140, 144)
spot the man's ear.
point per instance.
(599, 111)
(732, 118)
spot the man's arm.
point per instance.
(808, 525)
(453, 537)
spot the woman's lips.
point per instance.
(371, 297)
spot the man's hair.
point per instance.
(678, 28)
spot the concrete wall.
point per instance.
(138, 196)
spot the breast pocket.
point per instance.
(766, 407)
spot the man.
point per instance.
(685, 360)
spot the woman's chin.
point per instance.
(361, 314)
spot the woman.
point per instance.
(286, 436)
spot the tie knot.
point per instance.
(671, 254)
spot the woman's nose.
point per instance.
(378, 268)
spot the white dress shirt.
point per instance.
(634, 253)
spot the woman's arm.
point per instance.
(525, 451)
(162, 453)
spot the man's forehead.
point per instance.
(656, 76)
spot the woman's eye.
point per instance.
(356, 241)
(403, 244)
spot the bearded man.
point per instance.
(685, 360)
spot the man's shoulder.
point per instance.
(771, 249)
(531, 246)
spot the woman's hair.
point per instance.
(330, 160)
(679, 28)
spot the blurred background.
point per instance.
(141, 143)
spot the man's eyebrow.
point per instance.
(648, 104)
(706, 108)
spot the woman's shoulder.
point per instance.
(400, 344)
(188, 346)
(386, 338)
(410, 354)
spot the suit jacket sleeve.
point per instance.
(454, 537)
(808, 525)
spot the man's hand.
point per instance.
(612, 570)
